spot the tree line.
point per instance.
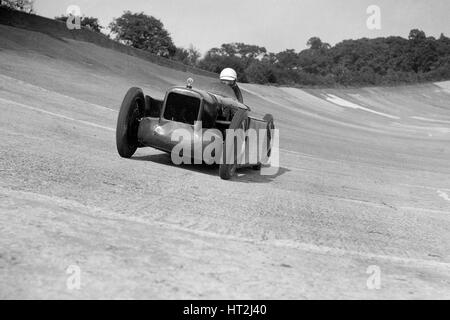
(379, 61)
(20, 5)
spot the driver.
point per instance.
(229, 77)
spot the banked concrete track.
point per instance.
(364, 181)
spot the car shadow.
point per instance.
(248, 175)
(165, 159)
(243, 175)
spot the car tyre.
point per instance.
(131, 111)
(270, 127)
(227, 170)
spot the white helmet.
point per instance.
(228, 74)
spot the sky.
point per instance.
(274, 24)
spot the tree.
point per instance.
(193, 56)
(241, 50)
(260, 72)
(216, 63)
(20, 5)
(417, 35)
(234, 55)
(315, 44)
(181, 55)
(91, 23)
(287, 59)
(188, 56)
(143, 32)
(87, 22)
(423, 51)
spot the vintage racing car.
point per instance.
(147, 122)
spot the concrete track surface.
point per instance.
(364, 181)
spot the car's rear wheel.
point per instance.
(228, 168)
(269, 129)
(131, 111)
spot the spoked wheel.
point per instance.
(228, 168)
(132, 109)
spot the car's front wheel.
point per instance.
(132, 109)
(265, 154)
(231, 157)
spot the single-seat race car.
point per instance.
(147, 122)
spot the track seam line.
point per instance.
(311, 248)
(57, 93)
(57, 115)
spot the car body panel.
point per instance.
(215, 112)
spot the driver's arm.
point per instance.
(238, 93)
